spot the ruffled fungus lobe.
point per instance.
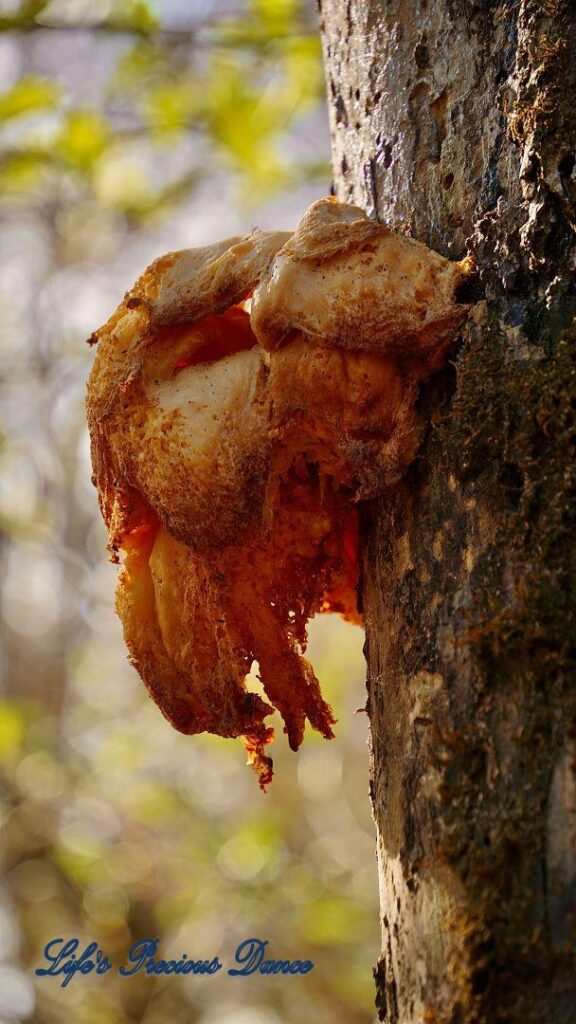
(230, 447)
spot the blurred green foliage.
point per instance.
(239, 83)
(29, 95)
(117, 828)
(119, 127)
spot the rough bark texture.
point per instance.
(455, 122)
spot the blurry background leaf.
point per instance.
(137, 15)
(83, 138)
(20, 172)
(168, 108)
(11, 729)
(29, 94)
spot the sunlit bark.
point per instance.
(455, 123)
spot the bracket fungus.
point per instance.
(243, 399)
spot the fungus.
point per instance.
(243, 399)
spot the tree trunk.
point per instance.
(454, 122)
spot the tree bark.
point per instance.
(454, 122)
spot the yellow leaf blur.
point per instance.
(29, 95)
(83, 138)
(11, 730)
